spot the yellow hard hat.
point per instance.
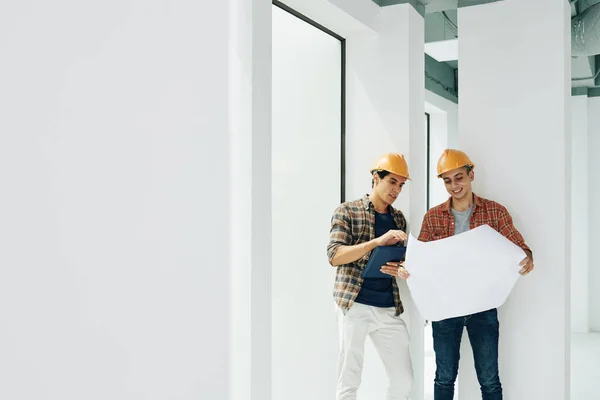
(393, 163)
(453, 159)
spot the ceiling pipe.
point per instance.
(588, 78)
(585, 32)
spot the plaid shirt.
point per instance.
(438, 223)
(353, 223)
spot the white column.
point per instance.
(579, 215)
(594, 221)
(250, 186)
(385, 112)
(417, 160)
(116, 201)
(514, 122)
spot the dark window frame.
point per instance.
(427, 170)
(343, 89)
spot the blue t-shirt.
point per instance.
(378, 292)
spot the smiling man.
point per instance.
(461, 212)
(371, 307)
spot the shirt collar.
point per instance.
(368, 204)
(476, 203)
(366, 201)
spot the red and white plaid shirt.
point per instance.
(438, 223)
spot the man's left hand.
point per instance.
(527, 265)
(395, 269)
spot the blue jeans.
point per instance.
(483, 330)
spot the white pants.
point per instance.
(389, 335)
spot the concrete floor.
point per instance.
(585, 366)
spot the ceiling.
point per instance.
(441, 25)
(583, 67)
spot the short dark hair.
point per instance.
(467, 167)
(381, 173)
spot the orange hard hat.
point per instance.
(453, 159)
(393, 163)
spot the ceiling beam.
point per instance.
(434, 6)
(417, 5)
(469, 3)
(594, 92)
(440, 5)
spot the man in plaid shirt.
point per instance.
(369, 306)
(463, 211)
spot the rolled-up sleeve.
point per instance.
(507, 228)
(340, 233)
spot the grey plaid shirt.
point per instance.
(353, 222)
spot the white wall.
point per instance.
(505, 114)
(115, 157)
(306, 189)
(593, 113)
(579, 215)
(345, 17)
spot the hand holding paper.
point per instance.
(395, 269)
(463, 274)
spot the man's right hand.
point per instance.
(391, 238)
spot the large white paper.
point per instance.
(463, 274)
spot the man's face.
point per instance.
(458, 182)
(389, 187)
